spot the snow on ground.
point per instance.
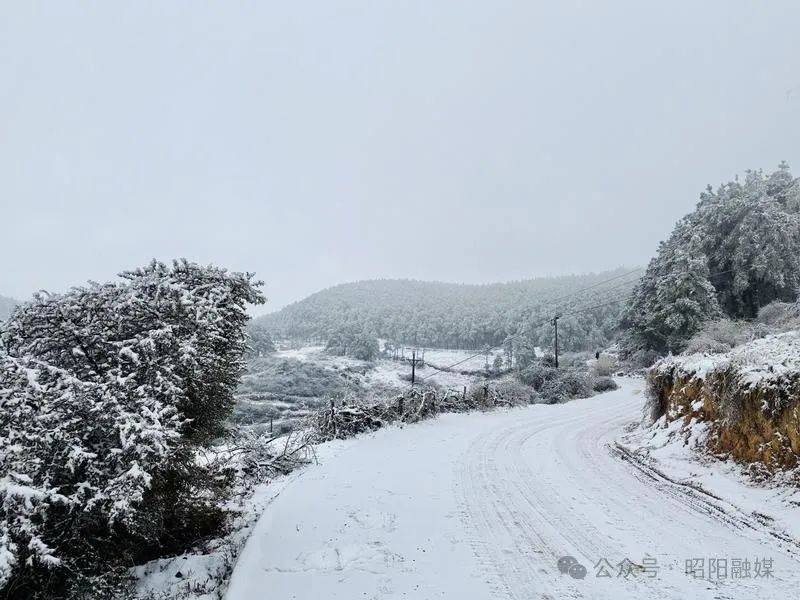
(305, 353)
(198, 575)
(761, 362)
(391, 372)
(678, 452)
(283, 388)
(465, 358)
(203, 573)
(484, 505)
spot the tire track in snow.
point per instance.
(548, 485)
(519, 539)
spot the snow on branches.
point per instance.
(103, 390)
(737, 252)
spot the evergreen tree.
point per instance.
(738, 251)
(260, 341)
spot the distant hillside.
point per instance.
(6, 306)
(453, 315)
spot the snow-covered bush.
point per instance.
(780, 316)
(567, 385)
(641, 359)
(718, 336)
(536, 375)
(105, 391)
(705, 344)
(557, 384)
(353, 416)
(573, 360)
(516, 393)
(604, 384)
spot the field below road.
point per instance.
(286, 386)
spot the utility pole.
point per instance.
(413, 366)
(555, 324)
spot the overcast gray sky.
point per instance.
(322, 142)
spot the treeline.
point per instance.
(448, 315)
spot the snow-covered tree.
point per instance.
(672, 301)
(364, 347)
(347, 341)
(104, 393)
(738, 251)
(260, 342)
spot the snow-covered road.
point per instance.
(482, 506)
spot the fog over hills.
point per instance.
(453, 315)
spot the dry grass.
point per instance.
(749, 424)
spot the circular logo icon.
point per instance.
(565, 562)
(577, 571)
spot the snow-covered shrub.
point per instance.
(104, 393)
(780, 316)
(705, 344)
(604, 384)
(536, 375)
(566, 385)
(642, 359)
(256, 457)
(353, 415)
(346, 421)
(719, 336)
(574, 360)
(479, 395)
(557, 384)
(516, 393)
(724, 334)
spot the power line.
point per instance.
(598, 284)
(595, 285)
(542, 322)
(619, 298)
